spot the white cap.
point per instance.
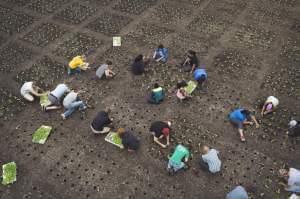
(292, 123)
(169, 123)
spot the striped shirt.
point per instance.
(213, 161)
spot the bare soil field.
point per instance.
(250, 48)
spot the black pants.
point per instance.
(203, 165)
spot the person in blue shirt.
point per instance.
(161, 54)
(200, 76)
(157, 95)
(238, 192)
(239, 118)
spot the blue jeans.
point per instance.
(73, 107)
(175, 166)
(73, 71)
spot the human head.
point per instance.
(139, 58)
(251, 189)
(160, 46)
(292, 123)
(246, 112)
(108, 62)
(191, 52)
(205, 149)
(121, 131)
(156, 85)
(166, 132)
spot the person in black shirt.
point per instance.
(138, 66)
(100, 123)
(191, 62)
(161, 130)
(129, 141)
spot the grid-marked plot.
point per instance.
(46, 72)
(98, 3)
(168, 13)
(236, 64)
(13, 22)
(266, 13)
(209, 25)
(226, 9)
(75, 13)
(77, 44)
(252, 37)
(17, 2)
(44, 34)
(134, 6)
(10, 104)
(46, 6)
(109, 24)
(182, 42)
(13, 57)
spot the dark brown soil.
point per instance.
(250, 49)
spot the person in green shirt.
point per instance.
(178, 159)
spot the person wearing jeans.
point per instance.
(72, 103)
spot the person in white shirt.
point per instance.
(270, 105)
(71, 103)
(29, 90)
(293, 179)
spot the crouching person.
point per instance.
(157, 95)
(77, 64)
(71, 103)
(294, 128)
(210, 160)
(178, 159)
(56, 96)
(200, 76)
(101, 122)
(160, 130)
(161, 54)
(29, 90)
(129, 141)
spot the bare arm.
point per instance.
(158, 142)
(193, 67)
(263, 109)
(168, 140)
(255, 121)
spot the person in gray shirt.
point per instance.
(105, 71)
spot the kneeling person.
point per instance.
(157, 95)
(105, 71)
(159, 131)
(29, 90)
(71, 103)
(129, 141)
(101, 122)
(178, 159)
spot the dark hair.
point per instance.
(156, 85)
(160, 46)
(191, 52)
(246, 112)
(139, 58)
(251, 189)
(181, 84)
(108, 62)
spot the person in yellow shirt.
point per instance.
(77, 64)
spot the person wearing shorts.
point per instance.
(239, 118)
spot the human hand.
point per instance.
(257, 126)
